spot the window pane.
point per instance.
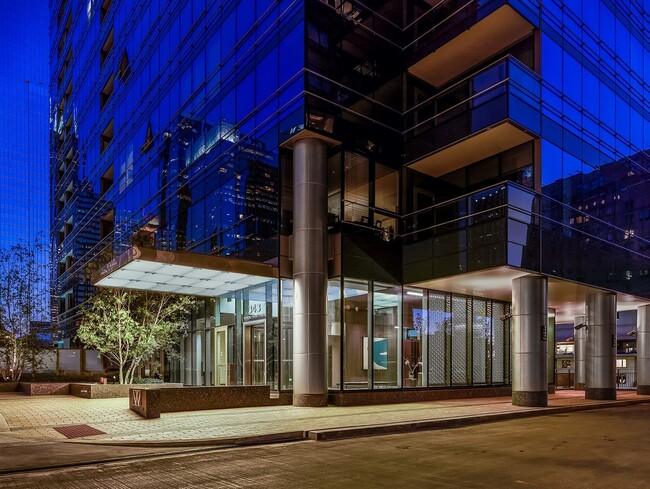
(334, 334)
(286, 335)
(356, 348)
(386, 354)
(414, 329)
(356, 194)
(386, 188)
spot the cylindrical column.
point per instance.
(600, 360)
(309, 272)
(529, 341)
(580, 346)
(643, 350)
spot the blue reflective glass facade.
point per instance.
(462, 137)
(165, 132)
(24, 153)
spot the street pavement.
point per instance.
(601, 448)
(30, 440)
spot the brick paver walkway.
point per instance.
(36, 417)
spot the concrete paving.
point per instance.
(601, 448)
(31, 423)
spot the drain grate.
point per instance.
(78, 431)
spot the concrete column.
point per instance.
(580, 347)
(529, 341)
(600, 360)
(309, 272)
(643, 350)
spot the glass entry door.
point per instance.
(255, 353)
(221, 355)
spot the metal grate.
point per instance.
(498, 342)
(480, 338)
(459, 340)
(78, 431)
(437, 338)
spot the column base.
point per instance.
(310, 400)
(600, 393)
(530, 399)
(643, 390)
(580, 387)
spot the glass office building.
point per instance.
(24, 150)
(361, 192)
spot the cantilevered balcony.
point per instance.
(486, 113)
(455, 35)
(509, 226)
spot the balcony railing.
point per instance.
(505, 90)
(509, 225)
(432, 28)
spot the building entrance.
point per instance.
(221, 355)
(255, 352)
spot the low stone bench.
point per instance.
(150, 401)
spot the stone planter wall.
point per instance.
(110, 391)
(361, 398)
(44, 389)
(8, 386)
(174, 399)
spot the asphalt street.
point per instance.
(591, 449)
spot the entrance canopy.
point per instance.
(182, 273)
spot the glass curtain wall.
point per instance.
(379, 336)
(196, 348)
(233, 340)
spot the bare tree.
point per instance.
(23, 309)
(129, 326)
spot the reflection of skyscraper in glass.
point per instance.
(24, 156)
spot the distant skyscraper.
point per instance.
(24, 154)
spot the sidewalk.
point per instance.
(31, 422)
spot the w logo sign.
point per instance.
(136, 398)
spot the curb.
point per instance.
(186, 447)
(360, 431)
(285, 437)
(450, 423)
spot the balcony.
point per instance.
(454, 36)
(510, 226)
(486, 113)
